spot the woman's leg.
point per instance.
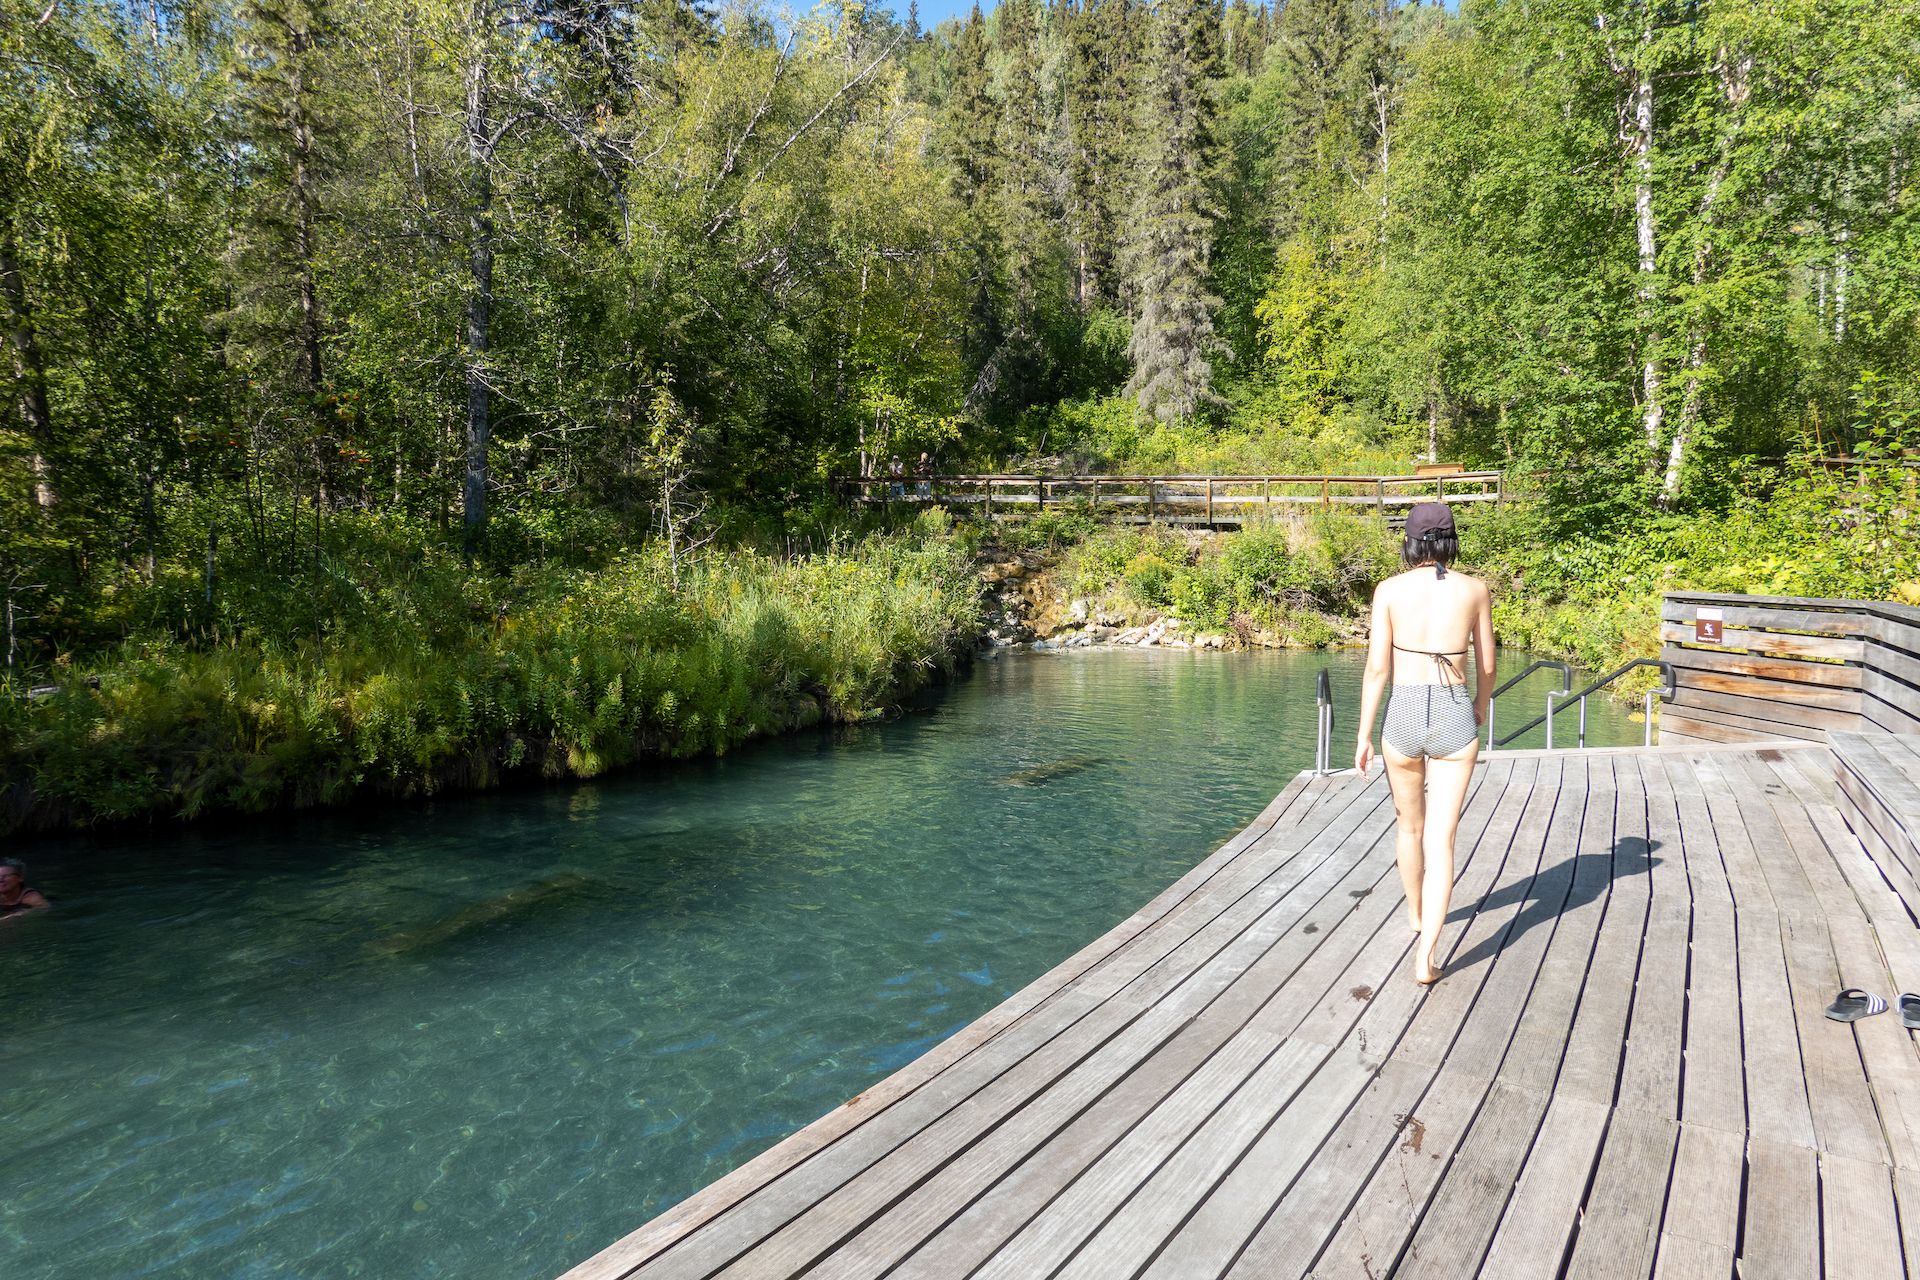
(1447, 779)
(1407, 777)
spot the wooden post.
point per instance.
(1380, 496)
(1266, 492)
(1149, 499)
(989, 501)
(1439, 489)
(1040, 491)
(1209, 499)
(1096, 493)
(1326, 493)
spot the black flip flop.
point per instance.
(1854, 1004)
(1910, 1010)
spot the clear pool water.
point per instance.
(488, 1036)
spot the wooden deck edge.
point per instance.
(1686, 748)
(661, 1232)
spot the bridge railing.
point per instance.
(1193, 499)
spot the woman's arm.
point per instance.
(1379, 667)
(1483, 655)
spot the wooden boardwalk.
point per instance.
(1625, 1072)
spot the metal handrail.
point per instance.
(1581, 697)
(1323, 740)
(1493, 699)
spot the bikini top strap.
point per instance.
(1442, 660)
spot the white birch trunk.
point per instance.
(1635, 114)
(1734, 80)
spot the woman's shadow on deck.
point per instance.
(1574, 882)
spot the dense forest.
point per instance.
(304, 297)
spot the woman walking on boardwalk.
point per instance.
(1423, 621)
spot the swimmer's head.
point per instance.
(13, 875)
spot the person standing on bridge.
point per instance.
(1423, 621)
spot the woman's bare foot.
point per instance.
(1425, 971)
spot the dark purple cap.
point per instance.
(1429, 519)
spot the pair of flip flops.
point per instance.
(1854, 1004)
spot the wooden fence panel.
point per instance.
(1844, 672)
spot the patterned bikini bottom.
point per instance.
(1430, 719)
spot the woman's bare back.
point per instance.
(1428, 615)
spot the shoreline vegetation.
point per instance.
(421, 677)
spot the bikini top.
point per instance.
(1442, 660)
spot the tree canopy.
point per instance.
(443, 261)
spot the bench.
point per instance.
(1877, 776)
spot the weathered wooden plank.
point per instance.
(1593, 1060)
(1539, 1220)
(1806, 713)
(1467, 1206)
(1901, 614)
(1651, 1068)
(1790, 672)
(1308, 1211)
(1776, 1086)
(1885, 1048)
(1682, 728)
(1793, 693)
(1452, 1238)
(1395, 1198)
(1906, 1195)
(1575, 882)
(1214, 1231)
(1685, 1259)
(1780, 643)
(1703, 1198)
(1844, 1118)
(1838, 622)
(1715, 1087)
(1131, 1126)
(1859, 1233)
(1780, 1239)
(1620, 1228)
(1386, 1126)
(1718, 726)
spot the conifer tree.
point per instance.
(968, 129)
(1173, 343)
(1100, 74)
(1025, 232)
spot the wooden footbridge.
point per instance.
(1214, 500)
(1625, 1071)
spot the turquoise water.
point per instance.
(488, 1036)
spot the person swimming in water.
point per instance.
(16, 899)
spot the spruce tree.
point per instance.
(967, 136)
(1173, 343)
(1025, 232)
(1100, 73)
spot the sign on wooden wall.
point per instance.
(1706, 625)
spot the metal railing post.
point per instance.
(1551, 695)
(1323, 730)
(1646, 719)
(1583, 721)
